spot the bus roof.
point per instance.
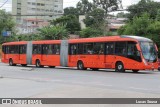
(47, 42)
(82, 40)
(138, 38)
(34, 42)
(15, 43)
(110, 38)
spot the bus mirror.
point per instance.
(156, 47)
(138, 48)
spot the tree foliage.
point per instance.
(6, 24)
(70, 21)
(108, 5)
(143, 26)
(84, 6)
(71, 11)
(95, 19)
(90, 32)
(53, 32)
(142, 6)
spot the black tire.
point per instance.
(135, 71)
(159, 69)
(38, 64)
(80, 66)
(120, 67)
(51, 66)
(24, 65)
(11, 63)
(94, 69)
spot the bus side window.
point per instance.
(110, 48)
(4, 49)
(120, 48)
(7, 49)
(14, 49)
(56, 49)
(88, 48)
(80, 49)
(132, 51)
(73, 49)
(35, 49)
(22, 49)
(50, 51)
(98, 48)
(45, 49)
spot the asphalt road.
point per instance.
(61, 82)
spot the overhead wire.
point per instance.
(3, 3)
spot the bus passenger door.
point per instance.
(44, 56)
(73, 54)
(4, 53)
(99, 57)
(15, 54)
(110, 57)
(22, 54)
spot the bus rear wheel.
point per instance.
(11, 62)
(38, 64)
(80, 66)
(135, 71)
(120, 67)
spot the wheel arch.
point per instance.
(118, 62)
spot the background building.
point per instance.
(54, 8)
(30, 25)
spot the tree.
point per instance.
(143, 26)
(6, 24)
(108, 5)
(90, 32)
(158, 15)
(71, 11)
(70, 21)
(53, 32)
(143, 6)
(84, 6)
(95, 19)
(138, 26)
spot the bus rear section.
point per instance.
(14, 53)
(39, 53)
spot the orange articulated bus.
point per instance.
(114, 52)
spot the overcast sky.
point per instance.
(68, 3)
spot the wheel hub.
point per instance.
(119, 66)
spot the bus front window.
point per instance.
(149, 51)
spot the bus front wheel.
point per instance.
(120, 67)
(80, 66)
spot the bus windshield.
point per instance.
(149, 51)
